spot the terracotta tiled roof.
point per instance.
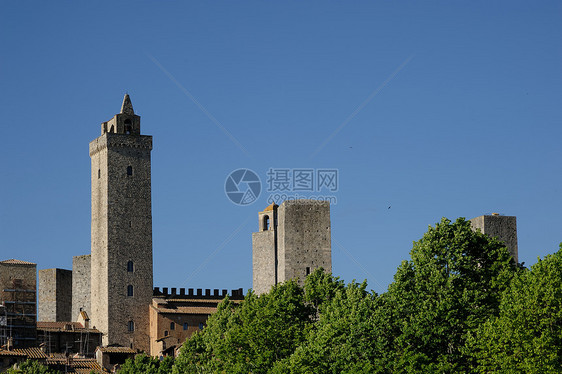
(116, 350)
(52, 325)
(187, 310)
(64, 327)
(17, 262)
(11, 353)
(271, 207)
(78, 365)
(35, 352)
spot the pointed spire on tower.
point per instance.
(127, 107)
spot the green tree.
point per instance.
(527, 334)
(31, 367)
(344, 339)
(451, 285)
(250, 337)
(146, 364)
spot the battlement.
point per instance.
(109, 140)
(199, 293)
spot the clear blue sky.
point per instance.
(443, 109)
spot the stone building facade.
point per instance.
(293, 240)
(175, 316)
(55, 295)
(81, 279)
(18, 289)
(121, 231)
(502, 227)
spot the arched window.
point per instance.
(172, 326)
(265, 223)
(128, 126)
(166, 333)
(129, 170)
(131, 326)
(130, 290)
(130, 266)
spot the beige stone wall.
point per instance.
(55, 295)
(503, 227)
(298, 241)
(304, 239)
(81, 279)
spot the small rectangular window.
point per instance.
(172, 326)
(185, 326)
(99, 173)
(129, 290)
(129, 170)
(307, 270)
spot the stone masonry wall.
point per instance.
(121, 232)
(55, 295)
(504, 227)
(81, 279)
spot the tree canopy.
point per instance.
(459, 304)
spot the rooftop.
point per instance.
(13, 261)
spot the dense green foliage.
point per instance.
(31, 367)
(459, 305)
(527, 334)
(146, 364)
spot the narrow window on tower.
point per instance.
(129, 290)
(131, 326)
(129, 170)
(128, 127)
(265, 223)
(307, 270)
(172, 326)
(99, 173)
(130, 268)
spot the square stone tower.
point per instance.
(293, 240)
(55, 295)
(81, 291)
(503, 227)
(121, 258)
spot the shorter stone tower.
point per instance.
(55, 295)
(81, 291)
(502, 227)
(293, 240)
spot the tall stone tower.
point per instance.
(121, 259)
(293, 240)
(502, 227)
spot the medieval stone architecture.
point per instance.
(55, 295)
(121, 238)
(81, 279)
(18, 288)
(293, 240)
(502, 227)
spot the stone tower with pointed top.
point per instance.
(121, 259)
